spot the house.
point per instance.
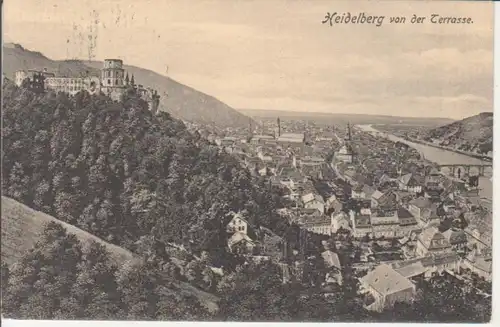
(479, 229)
(361, 223)
(480, 264)
(426, 266)
(237, 224)
(407, 222)
(385, 226)
(410, 183)
(357, 192)
(417, 205)
(385, 201)
(424, 211)
(431, 241)
(314, 201)
(410, 268)
(226, 141)
(456, 237)
(318, 224)
(241, 244)
(441, 262)
(340, 220)
(384, 287)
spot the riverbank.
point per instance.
(465, 153)
(442, 157)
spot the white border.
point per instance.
(496, 232)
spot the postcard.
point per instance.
(247, 161)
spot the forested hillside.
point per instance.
(115, 170)
(472, 134)
(65, 279)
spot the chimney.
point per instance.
(279, 127)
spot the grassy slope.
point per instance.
(22, 226)
(182, 101)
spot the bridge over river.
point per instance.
(449, 161)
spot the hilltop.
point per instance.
(472, 134)
(182, 101)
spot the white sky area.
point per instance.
(277, 54)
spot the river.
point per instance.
(443, 157)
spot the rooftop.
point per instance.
(386, 280)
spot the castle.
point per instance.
(112, 82)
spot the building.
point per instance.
(112, 82)
(431, 241)
(386, 226)
(346, 152)
(241, 244)
(340, 220)
(387, 201)
(35, 79)
(314, 201)
(426, 266)
(113, 78)
(457, 238)
(410, 183)
(72, 86)
(318, 224)
(479, 263)
(407, 222)
(291, 139)
(361, 223)
(384, 287)
(424, 210)
(237, 224)
(479, 229)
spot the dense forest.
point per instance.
(131, 178)
(115, 170)
(61, 279)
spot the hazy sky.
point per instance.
(271, 54)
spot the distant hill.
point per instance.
(343, 118)
(22, 226)
(472, 134)
(182, 101)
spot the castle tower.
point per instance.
(112, 73)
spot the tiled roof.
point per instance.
(421, 202)
(411, 270)
(481, 262)
(377, 194)
(386, 280)
(456, 236)
(238, 237)
(431, 238)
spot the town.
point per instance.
(405, 218)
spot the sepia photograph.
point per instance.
(247, 161)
